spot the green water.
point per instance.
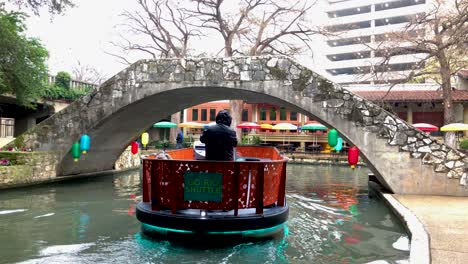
(332, 220)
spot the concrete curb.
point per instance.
(420, 247)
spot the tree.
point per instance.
(62, 80)
(88, 74)
(23, 70)
(55, 6)
(161, 28)
(162, 31)
(255, 27)
(248, 27)
(441, 36)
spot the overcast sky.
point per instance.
(82, 34)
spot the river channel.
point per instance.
(92, 220)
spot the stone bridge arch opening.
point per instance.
(404, 159)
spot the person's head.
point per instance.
(223, 117)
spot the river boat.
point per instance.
(183, 195)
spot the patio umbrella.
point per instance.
(314, 127)
(266, 127)
(454, 127)
(164, 124)
(284, 126)
(248, 125)
(425, 127)
(191, 125)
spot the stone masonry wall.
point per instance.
(28, 168)
(127, 160)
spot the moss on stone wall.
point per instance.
(278, 73)
(300, 84)
(27, 167)
(12, 175)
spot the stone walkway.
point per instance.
(445, 218)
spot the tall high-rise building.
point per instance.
(360, 29)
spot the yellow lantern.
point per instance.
(144, 139)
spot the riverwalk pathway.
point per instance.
(445, 219)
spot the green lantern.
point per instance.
(332, 138)
(76, 152)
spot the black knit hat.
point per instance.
(223, 117)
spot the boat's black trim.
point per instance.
(212, 223)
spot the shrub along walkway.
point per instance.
(445, 219)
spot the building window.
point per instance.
(194, 114)
(272, 113)
(212, 114)
(262, 114)
(7, 127)
(349, 41)
(293, 116)
(283, 113)
(349, 11)
(349, 26)
(245, 115)
(398, 4)
(392, 20)
(204, 115)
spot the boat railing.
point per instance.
(183, 183)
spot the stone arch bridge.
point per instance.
(404, 159)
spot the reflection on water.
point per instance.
(93, 220)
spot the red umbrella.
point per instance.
(425, 127)
(250, 125)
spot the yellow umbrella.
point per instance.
(266, 127)
(191, 125)
(454, 127)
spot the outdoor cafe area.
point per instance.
(311, 138)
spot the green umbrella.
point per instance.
(314, 127)
(164, 124)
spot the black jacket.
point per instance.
(220, 141)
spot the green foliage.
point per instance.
(55, 6)
(256, 140)
(52, 92)
(464, 144)
(23, 68)
(63, 79)
(19, 142)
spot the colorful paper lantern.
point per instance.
(332, 137)
(76, 153)
(339, 145)
(134, 147)
(353, 156)
(144, 139)
(84, 143)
